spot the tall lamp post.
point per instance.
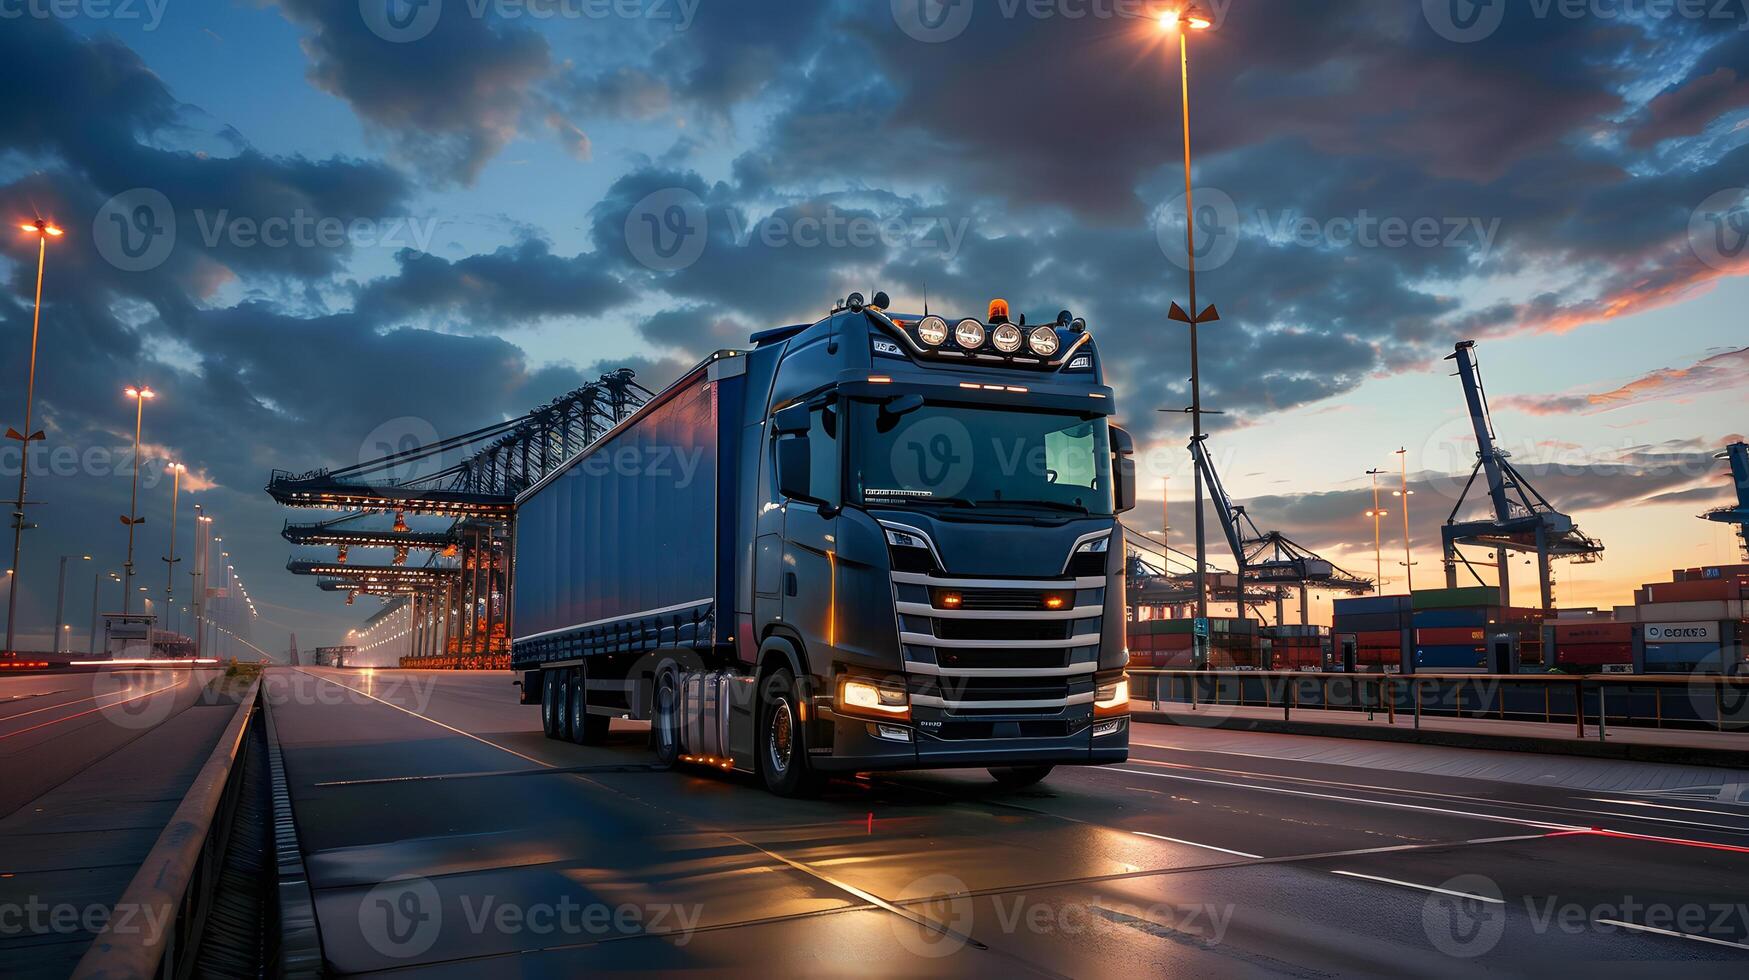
(1406, 493)
(96, 586)
(61, 597)
(1183, 22)
(44, 231)
(1377, 515)
(202, 528)
(170, 559)
(140, 394)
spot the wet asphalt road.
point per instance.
(444, 835)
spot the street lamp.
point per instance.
(140, 394)
(96, 583)
(1377, 540)
(44, 231)
(170, 559)
(1183, 22)
(61, 598)
(1406, 493)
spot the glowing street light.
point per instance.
(44, 231)
(1183, 21)
(170, 559)
(61, 599)
(1377, 540)
(140, 394)
(1406, 493)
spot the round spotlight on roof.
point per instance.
(1006, 337)
(969, 333)
(932, 330)
(1043, 341)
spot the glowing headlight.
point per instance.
(1094, 545)
(932, 330)
(1006, 338)
(969, 333)
(870, 698)
(1043, 341)
(905, 539)
(1112, 698)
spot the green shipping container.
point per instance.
(1475, 595)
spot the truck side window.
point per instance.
(1069, 456)
(823, 437)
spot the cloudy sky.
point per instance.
(322, 227)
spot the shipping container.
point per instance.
(1370, 605)
(1463, 657)
(1670, 612)
(1698, 590)
(1475, 595)
(1592, 654)
(1584, 633)
(1369, 622)
(1444, 636)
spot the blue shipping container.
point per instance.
(1368, 605)
(1450, 656)
(1370, 622)
(1446, 618)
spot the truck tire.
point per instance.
(665, 718)
(561, 681)
(781, 747)
(1016, 777)
(549, 712)
(586, 729)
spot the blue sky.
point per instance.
(1570, 163)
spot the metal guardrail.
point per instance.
(1712, 701)
(174, 885)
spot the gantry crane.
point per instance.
(1524, 520)
(1738, 454)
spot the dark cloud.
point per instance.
(515, 284)
(1718, 372)
(449, 97)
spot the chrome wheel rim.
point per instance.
(780, 741)
(665, 735)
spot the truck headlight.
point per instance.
(858, 695)
(932, 330)
(969, 333)
(1094, 545)
(1006, 338)
(1112, 698)
(1043, 341)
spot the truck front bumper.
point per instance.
(935, 741)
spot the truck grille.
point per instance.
(1015, 600)
(990, 659)
(1003, 629)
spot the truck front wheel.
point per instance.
(665, 718)
(782, 749)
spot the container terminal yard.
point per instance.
(1070, 489)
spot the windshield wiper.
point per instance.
(1046, 504)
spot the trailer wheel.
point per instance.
(549, 714)
(561, 704)
(782, 749)
(1016, 777)
(665, 718)
(586, 729)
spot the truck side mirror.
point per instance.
(1123, 470)
(794, 468)
(902, 405)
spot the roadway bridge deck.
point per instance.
(444, 835)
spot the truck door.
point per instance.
(810, 532)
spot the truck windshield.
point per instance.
(954, 455)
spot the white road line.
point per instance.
(434, 721)
(1425, 888)
(1667, 932)
(1350, 799)
(1191, 843)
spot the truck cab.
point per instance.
(919, 555)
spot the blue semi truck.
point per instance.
(875, 542)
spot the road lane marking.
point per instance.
(88, 711)
(1508, 804)
(1668, 932)
(1191, 843)
(1349, 799)
(430, 719)
(1425, 888)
